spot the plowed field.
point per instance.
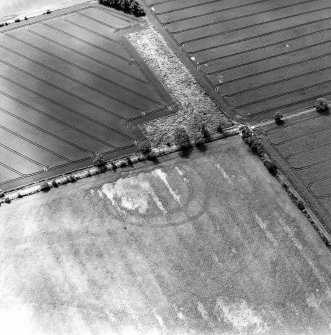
(302, 147)
(260, 56)
(71, 87)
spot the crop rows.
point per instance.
(260, 56)
(302, 147)
(69, 88)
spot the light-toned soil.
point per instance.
(209, 245)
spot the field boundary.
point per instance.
(64, 11)
(297, 183)
(256, 140)
(111, 164)
(166, 105)
(195, 56)
(218, 98)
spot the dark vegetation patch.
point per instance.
(127, 6)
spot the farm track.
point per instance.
(231, 42)
(73, 92)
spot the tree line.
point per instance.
(127, 6)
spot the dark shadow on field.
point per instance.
(202, 147)
(280, 122)
(186, 152)
(153, 159)
(324, 112)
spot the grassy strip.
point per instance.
(195, 108)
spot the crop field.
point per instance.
(302, 149)
(260, 56)
(71, 86)
(21, 8)
(202, 246)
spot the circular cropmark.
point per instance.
(160, 198)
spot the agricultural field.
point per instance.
(12, 9)
(262, 57)
(301, 147)
(71, 87)
(205, 246)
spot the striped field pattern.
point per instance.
(70, 87)
(302, 148)
(260, 56)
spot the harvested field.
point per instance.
(208, 245)
(21, 8)
(260, 56)
(302, 149)
(71, 87)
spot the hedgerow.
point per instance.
(254, 142)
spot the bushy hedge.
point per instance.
(127, 6)
(44, 187)
(271, 166)
(254, 142)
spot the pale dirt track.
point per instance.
(205, 245)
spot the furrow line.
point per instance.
(52, 118)
(32, 142)
(242, 16)
(267, 58)
(254, 25)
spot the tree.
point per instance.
(127, 6)
(204, 130)
(321, 105)
(181, 137)
(145, 147)
(278, 118)
(98, 160)
(271, 166)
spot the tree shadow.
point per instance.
(280, 122)
(202, 147)
(185, 152)
(153, 159)
(206, 136)
(325, 111)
